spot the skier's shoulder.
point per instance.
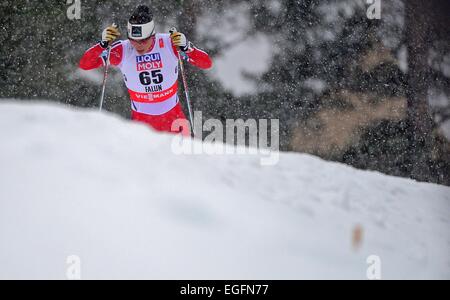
(119, 43)
(124, 44)
(162, 35)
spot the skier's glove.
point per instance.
(109, 35)
(180, 40)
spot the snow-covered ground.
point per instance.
(112, 193)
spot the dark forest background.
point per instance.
(372, 93)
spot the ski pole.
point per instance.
(186, 89)
(105, 76)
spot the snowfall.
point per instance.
(113, 196)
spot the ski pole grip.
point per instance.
(172, 30)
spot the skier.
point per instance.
(149, 64)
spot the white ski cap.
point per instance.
(141, 31)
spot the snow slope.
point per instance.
(77, 182)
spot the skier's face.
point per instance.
(142, 46)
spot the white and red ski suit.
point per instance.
(151, 78)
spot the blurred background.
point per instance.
(371, 93)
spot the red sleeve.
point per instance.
(92, 57)
(197, 58)
(200, 59)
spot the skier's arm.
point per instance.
(199, 58)
(194, 55)
(92, 57)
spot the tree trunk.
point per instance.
(420, 123)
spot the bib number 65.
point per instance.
(148, 78)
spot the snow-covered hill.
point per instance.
(111, 192)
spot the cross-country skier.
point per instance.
(149, 64)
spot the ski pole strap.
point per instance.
(105, 55)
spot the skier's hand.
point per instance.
(109, 35)
(180, 40)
